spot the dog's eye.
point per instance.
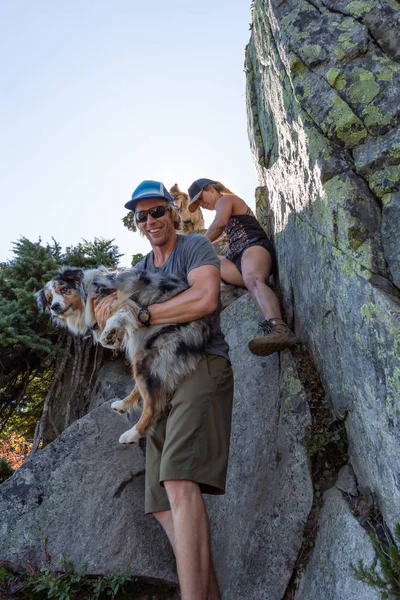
(64, 290)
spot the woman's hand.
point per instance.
(102, 309)
(223, 239)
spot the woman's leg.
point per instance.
(256, 269)
(230, 273)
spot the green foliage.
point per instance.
(29, 581)
(364, 508)
(20, 278)
(26, 336)
(129, 221)
(317, 442)
(25, 416)
(136, 258)
(5, 470)
(32, 266)
(387, 581)
(30, 345)
(89, 255)
(61, 584)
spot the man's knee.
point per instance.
(180, 491)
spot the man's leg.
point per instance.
(188, 530)
(164, 517)
(189, 451)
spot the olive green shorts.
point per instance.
(192, 440)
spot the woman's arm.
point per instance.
(223, 209)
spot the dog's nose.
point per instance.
(56, 306)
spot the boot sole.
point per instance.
(263, 349)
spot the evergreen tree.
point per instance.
(129, 221)
(20, 278)
(136, 258)
(31, 348)
(26, 337)
(90, 255)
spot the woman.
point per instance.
(249, 261)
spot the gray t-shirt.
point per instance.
(192, 251)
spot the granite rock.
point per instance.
(325, 77)
(340, 541)
(257, 526)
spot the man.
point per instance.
(187, 454)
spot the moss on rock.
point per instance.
(385, 180)
(359, 7)
(373, 117)
(332, 75)
(343, 123)
(365, 88)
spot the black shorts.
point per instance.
(267, 244)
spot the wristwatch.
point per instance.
(144, 316)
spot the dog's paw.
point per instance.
(110, 338)
(118, 406)
(132, 436)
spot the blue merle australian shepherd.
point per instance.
(161, 355)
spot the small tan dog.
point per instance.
(190, 221)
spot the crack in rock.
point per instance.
(125, 482)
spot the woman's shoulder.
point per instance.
(239, 206)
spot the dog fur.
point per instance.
(189, 221)
(64, 297)
(161, 355)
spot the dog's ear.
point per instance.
(174, 189)
(41, 300)
(72, 274)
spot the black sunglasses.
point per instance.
(156, 212)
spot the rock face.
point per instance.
(86, 492)
(113, 381)
(328, 574)
(323, 83)
(257, 526)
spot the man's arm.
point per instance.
(199, 300)
(223, 209)
(102, 309)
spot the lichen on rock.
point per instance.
(336, 217)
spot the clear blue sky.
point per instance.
(97, 96)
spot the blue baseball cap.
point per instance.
(195, 190)
(149, 189)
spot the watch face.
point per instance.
(144, 316)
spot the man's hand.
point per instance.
(102, 309)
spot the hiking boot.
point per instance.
(278, 338)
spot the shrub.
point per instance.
(5, 470)
(387, 581)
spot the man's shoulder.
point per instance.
(144, 263)
(196, 250)
(194, 240)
